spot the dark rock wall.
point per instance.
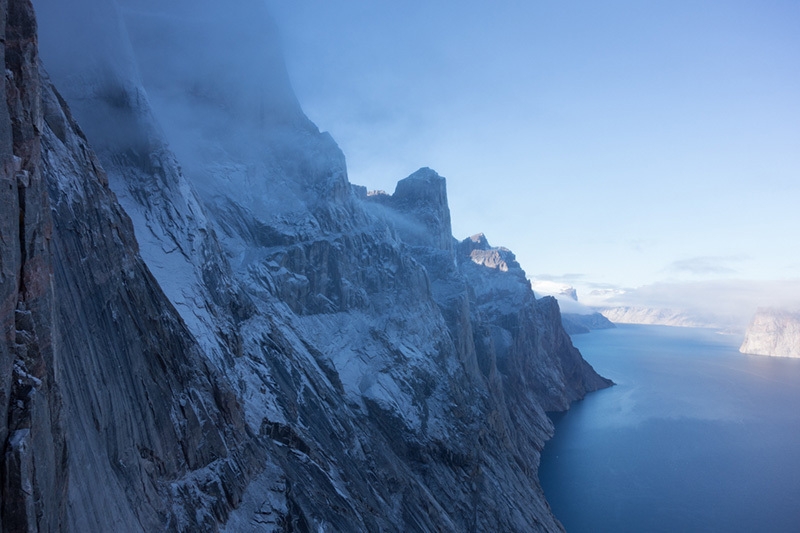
(32, 438)
(108, 404)
(144, 410)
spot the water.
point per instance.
(694, 437)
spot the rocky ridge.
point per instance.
(258, 347)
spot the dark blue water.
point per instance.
(694, 437)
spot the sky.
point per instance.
(616, 144)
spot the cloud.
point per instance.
(563, 278)
(567, 305)
(638, 245)
(732, 301)
(705, 265)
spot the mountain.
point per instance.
(208, 328)
(576, 323)
(773, 332)
(662, 316)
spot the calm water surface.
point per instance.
(694, 437)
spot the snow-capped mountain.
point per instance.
(207, 327)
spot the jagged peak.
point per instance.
(478, 250)
(426, 174)
(423, 188)
(477, 242)
(422, 199)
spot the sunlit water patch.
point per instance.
(694, 437)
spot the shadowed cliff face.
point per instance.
(145, 414)
(271, 353)
(111, 407)
(32, 439)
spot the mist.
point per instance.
(729, 302)
(213, 74)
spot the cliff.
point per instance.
(205, 328)
(773, 332)
(113, 410)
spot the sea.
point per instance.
(694, 436)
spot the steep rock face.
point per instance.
(32, 442)
(146, 417)
(175, 236)
(773, 332)
(115, 421)
(422, 196)
(320, 363)
(531, 348)
(516, 347)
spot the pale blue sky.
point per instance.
(616, 142)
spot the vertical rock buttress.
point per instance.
(31, 434)
(148, 435)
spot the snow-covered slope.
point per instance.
(318, 359)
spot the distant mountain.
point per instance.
(575, 324)
(662, 316)
(773, 332)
